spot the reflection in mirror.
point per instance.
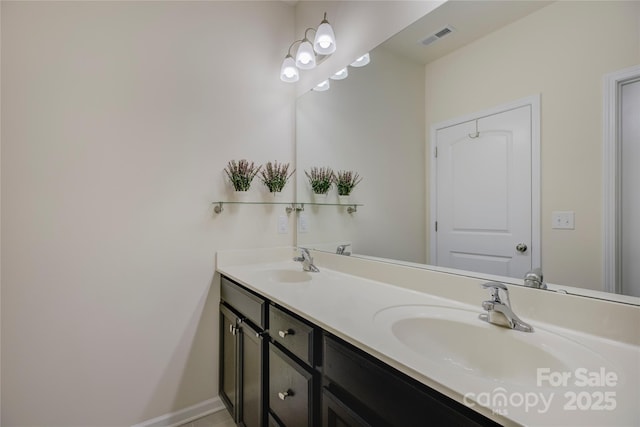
(377, 120)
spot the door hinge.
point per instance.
(435, 152)
(436, 226)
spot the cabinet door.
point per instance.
(252, 388)
(229, 350)
(337, 414)
(290, 390)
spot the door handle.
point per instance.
(521, 247)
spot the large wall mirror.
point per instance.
(378, 122)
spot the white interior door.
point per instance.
(630, 177)
(484, 194)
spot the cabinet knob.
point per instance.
(284, 394)
(285, 333)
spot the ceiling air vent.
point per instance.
(437, 35)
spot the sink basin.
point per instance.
(289, 276)
(457, 339)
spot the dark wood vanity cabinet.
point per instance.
(243, 354)
(293, 379)
(279, 370)
(361, 391)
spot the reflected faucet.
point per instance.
(499, 312)
(340, 250)
(533, 279)
(307, 261)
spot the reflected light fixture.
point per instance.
(324, 44)
(322, 86)
(342, 74)
(362, 61)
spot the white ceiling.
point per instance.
(470, 20)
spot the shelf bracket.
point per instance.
(218, 208)
(352, 209)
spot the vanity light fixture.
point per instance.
(325, 41)
(322, 86)
(340, 75)
(289, 72)
(305, 57)
(362, 61)
(324, 44)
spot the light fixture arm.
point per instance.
(292, 44)
(306, 31)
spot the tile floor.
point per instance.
(217, 419)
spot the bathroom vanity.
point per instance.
(367, 343)
(310, 377)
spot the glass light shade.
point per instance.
(325, 41)
(342, 74)
(305, 57)
(289, 73)
(321, 87)
(362, 61)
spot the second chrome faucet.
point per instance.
(499, 312)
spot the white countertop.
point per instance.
(349, 307)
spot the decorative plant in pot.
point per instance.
(275, 176)
(241, 174)
(345, 182)
(320, 180)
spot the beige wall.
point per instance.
(117, 120)
(562, 52)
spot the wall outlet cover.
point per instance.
(283, 224)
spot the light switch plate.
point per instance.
(563, 220)
(303, 223)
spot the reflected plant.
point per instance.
(241, 174)
(345, 181)
(275, 176)
(320, 179)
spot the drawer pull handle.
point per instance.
(284, 394)
(233, 329)
(285, 333)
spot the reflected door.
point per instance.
(484, 195)
(630, 177)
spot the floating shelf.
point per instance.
(290, 206)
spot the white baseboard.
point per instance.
(186, 415)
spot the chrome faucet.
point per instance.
(533, 279)
(307, 260)
(340, 250)
(499, 312)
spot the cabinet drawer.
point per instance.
(389, 395)
(250, 305)
(290, 390)
(292, 334)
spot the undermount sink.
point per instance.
(457, 339)
(289, 276)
